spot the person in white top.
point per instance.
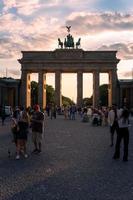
(123, 133)
(113, 116)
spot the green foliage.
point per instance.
(50, 95)
(34, 93)
(66, 101)
(87, 102)
(103, 95)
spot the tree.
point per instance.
(66, 101)
(103, 95)
(50, 95)
(87, 101)
(34, 93)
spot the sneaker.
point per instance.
(17, 157)
(39, 151)
(26, 155)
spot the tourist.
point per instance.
(37, 126)
(65, 112)
(113, 116)
(85, 116)
(123, 133)
(73, 111)
(3, 115)
(22, 132)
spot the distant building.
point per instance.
(125, 88)
(9, 91)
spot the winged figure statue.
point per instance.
(68, 28)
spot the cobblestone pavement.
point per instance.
(76, 164)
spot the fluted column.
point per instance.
(79, 88)
(16, 96)
(25, 89)
(112, 93)
(0, 95)
(42, 89)
(58, 95)
(131, 97)
(95, 88)
(121, 97)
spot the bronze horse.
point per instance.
(78, 43)
(60, 43)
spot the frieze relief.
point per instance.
(69, 54)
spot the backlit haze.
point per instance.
(37, 24)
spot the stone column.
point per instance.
(121, 98)
(42, 89)
(0, 96)
(95, 88)
(25, 89)
(112, 94)
(131, 97)
(58, 95)
(79, 88)
(16, 96)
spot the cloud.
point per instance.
(125, 51)
(88, 23)
(22, 7)
(41, 32)
(14, 72)
(127, 74)
(29, 7)
(17, 35)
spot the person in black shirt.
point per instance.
(37, 126)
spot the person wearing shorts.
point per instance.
(37, 126)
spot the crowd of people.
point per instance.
(34, 119)
(22, 120)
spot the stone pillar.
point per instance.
(42, 89)
(95, 88)
(131, 97)
(0, 96)
(112, 94)
(121, 98)
(58, 95)
(25, 89)
(16, 96)
(79, 88)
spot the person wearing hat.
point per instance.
(37, 126)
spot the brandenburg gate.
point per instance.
(69, 59)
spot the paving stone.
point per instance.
(76, 164)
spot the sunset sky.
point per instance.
(37, 24)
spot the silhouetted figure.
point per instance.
(3, 115)
(123, 133)
(113, 122)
